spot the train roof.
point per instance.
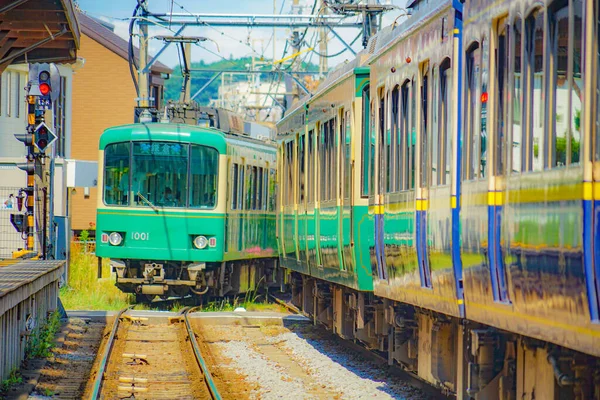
(387, 36)
(184, 132)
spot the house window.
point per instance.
(60, 118)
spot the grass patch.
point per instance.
(250, 302)
(85, 291)
(13, 379)
(41, 340)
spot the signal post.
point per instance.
(37, 139)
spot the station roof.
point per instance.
(98, 31)
(37, 31)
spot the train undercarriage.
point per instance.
(150, 278)
(460, 357)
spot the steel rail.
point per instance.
(208, 379)
(104, 361)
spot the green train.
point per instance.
(183, 208)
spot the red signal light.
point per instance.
(484, 97)
(44, 89)
(42, 144)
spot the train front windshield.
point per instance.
(160, 174)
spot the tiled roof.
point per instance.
(107, 38)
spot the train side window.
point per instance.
(372, 141)
(234, 186)
(272, 189)
(240, 197)
(534, 48)
(117, 159)
(301, 168)
(323, 157)
(290, 173)
(385, 145)
(332, 160)
(424, 126)
(404, 140)
(434, 137)
(445, 121)
(397, 142)
(565, 51)
(310, 167)
(413, 132)
(501, 58)
(366, 123)
(347, 137)
(482, 165)
(259, 188)
(471, 138)
(517, 154)
(249, 186)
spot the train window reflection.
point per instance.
(445, 121)
(473, 61)
(559, 33)
(116, 174)
(517, 130)
(576, 83)
(159, 174)
(435, 134)
(535, 52)
(204, 164)
(424, 119)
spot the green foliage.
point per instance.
(199, 79)
(42, 339)
(14, 378)
(85, 291)
(84, 236)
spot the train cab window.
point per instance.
(159, 174)
(534, 50)
(472, 117)
(204, 164)
(517, 114)
(565, 50)
(116, 174)
(372, 141)
(324, 172)
(364, 190)
(347, 136)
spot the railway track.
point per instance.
(153, 361)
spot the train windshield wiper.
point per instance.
(147, 201)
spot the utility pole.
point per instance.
(295, 41)
(143, 100)
(323, 42)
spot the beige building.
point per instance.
(103, 96)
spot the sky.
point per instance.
(227, 42)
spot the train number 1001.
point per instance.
(140, 236)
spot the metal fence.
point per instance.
(10, 239)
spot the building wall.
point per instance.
(103, 96)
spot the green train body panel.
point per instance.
(169, 235)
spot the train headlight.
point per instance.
(115, 238)
(200, 242)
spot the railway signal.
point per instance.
(44, 137)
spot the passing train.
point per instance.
(439, 197)
(183, 207)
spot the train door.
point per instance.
(422, 195)
(346, 178)
(380, 186)
(498, 123)
(343, 234)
